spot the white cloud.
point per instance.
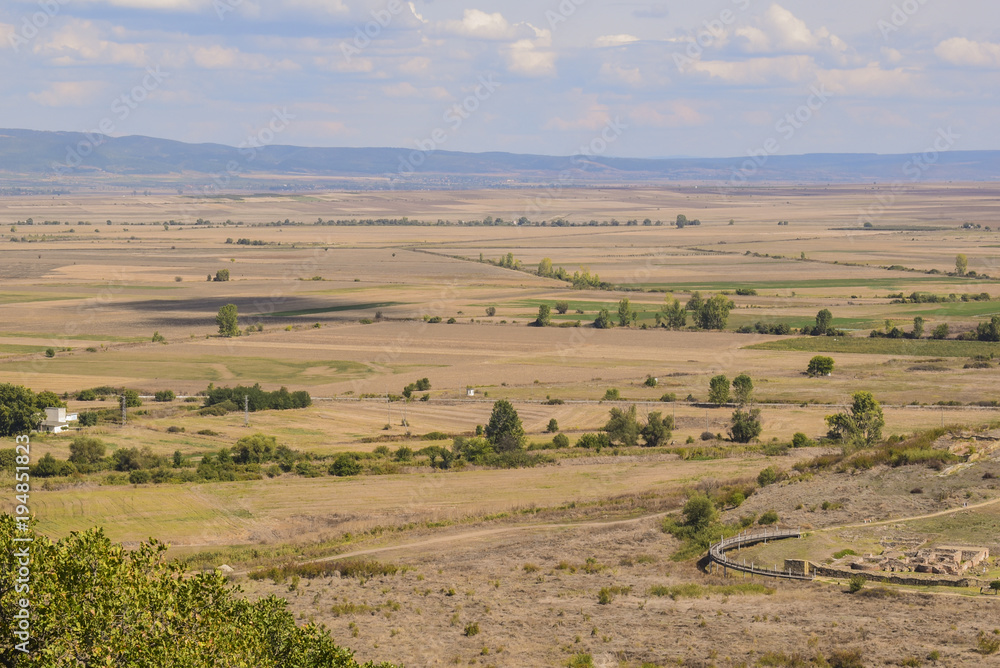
(962, 51)
(779, 30)
(870, 81)
(674, 114)
(479, 24)
(891, 55)
(757, 71)
(222, 58)
(523, 57)
(83, 42)
(614, 40)
(158, 5)
(69, 93)
(618, 74)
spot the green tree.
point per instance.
(918, 328)
(672, 314)
(862, 426)
(681, 220)
(699, 512)
(562, 307)
(86, 450)
(544, 315)
(989, 331)
(255, 449)
(742, 389)
(603, 320)
(19, 413)
(46, 399)
(624, 312)
(228, 320)
(823, 321)
(695, 302)
(491, 311)
(178, 459)
(132, 399)
(221, 276)
(553, 426)
(657, 430)
(961, 264)
(940, 332)
(820, 365)
(164, 396)
(504, 430)
(545, 267)
(100, 604)
(622, 427)
(718, 390)
(714, 313)
(50, 352)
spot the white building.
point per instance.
(470, 392)
(56, 420)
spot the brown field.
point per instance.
(96, 292)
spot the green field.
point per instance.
(867, 346)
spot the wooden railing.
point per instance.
(717, 553)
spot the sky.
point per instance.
(560, 77)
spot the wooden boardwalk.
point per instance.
(717, 553)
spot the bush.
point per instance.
(175, 430)
(345, 465)
(768, 476)
(605, 596)
(669, 397)
(553, 426)
(612, 395)
(594, 441)
(707, 436)
(800, 440)
(856, 583)
(988, 643)
(139, 477)
(846, 658)
(88, 418)
(770, 517)
(560, 441)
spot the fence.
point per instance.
(717, 553)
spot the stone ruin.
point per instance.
(941, 560)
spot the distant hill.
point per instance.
(29, 152)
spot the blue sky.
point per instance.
(721, 78)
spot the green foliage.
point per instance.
(504, 430)
(714, 313)
(560, 441)
(88, 418)
(553, 426)
(228, 320)
(50, 352)
(699, 512)
(132, 399)
(491, 311)
(961, 264)
(603, 320)
(221, 276)
(345, 465)
(158, 338)
(718, 390)
(19, 412)
(694, 590)
(988, 643)
(843, 553)
(823, 321)
(46, 399)
(562, 307)
(742, 389)
(624, 312)
(657, 430)
(255, 449)
(622, 427)
(594, 441)
(612, 394)
(862, 426)
(86, 450)
(471, 629)
(940, 332)
(769, 517)
(820, 366)
(856, 583)
(768, 476)
(746, 425)
(105, 605)
(672, 315)
(544, 318)
(257, 398)
(800, 440)
(164, 396)
(651, 381)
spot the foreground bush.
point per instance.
(94, 603)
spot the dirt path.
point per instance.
(940, 513)
(480, 533)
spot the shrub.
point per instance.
(553, 426)
(768, 476)
(845, 658)
(612, 395)
(669, 397)
(139, 477)
(345, 465)
(560, 441)
(50, 352)
(800, 440)
(164, 396)
(175, 430)
(88, 418)
(856, 583)
(770, 517)
(605, 596)
(988, 643)
(471, 629)
(707, 436)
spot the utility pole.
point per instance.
(246, 411)
(124, 413)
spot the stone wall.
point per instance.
(898, 579)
